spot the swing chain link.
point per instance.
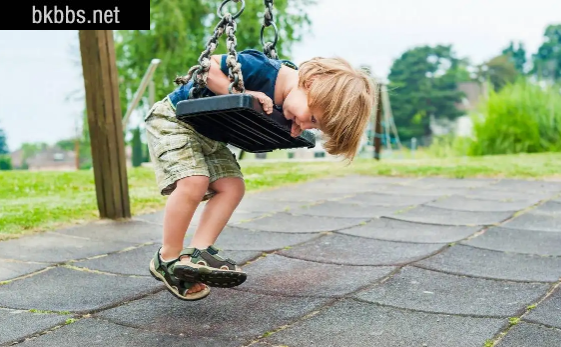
(234, 67)
(200, 72)
(268, 20)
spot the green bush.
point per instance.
(5, 162)
(521, 118)
(447, 146)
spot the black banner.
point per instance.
(74, 14)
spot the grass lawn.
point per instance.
(39, 201)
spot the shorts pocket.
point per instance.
(170, 143)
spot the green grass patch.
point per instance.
(39, 201)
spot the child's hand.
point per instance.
(265, 101)
(295, 131)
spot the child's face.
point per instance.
(295, 108)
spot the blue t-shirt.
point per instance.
(259, 74)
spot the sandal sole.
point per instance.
(192, 297)
(210, 276)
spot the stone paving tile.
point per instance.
(431, 291)
(136, 261)
(346, 210)
(343, 187)
(237, 238)
(464, 260)
(549, 208)
(427, 192)
(94, 332)
(505, 195)
(275, 274)
(296, 194)
(439, 182)
(16, 325)
(371, 179)
(535, 221)
(339, 191)
(287, 223)
(528, 185)
(350, 323)
(56, 248)
(383, 199)
(518, 241)
(243, 217)
(134, 232)
(225, 314)
(548, 312)
(462, 203)
(356, 183)
(530, 335)
(13, 269)
(242, 257)
(350, 250)
(397, 230)
(433, 215)
(158, 218)
(63, 289)
(128, 262)
(256, 204)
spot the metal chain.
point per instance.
(200, 72)
(268, 20)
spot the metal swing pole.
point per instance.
(141, 88)
(378, 125)
(390, 120)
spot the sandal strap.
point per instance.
(217, 255)
(190, 251)
(159, 262)
(181, 285)
(211, 256)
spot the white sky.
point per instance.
(38, 71)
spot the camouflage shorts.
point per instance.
(178, 151)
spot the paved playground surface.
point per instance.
(355, 261)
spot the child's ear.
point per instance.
(308, 84)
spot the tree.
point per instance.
(499, 71)
(516, 55)
(423, 83)
(5, 162)
(547, 61)
(178, 34)
(5, 159)
(137, 157)
(3, 143)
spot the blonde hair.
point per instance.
(345, 95)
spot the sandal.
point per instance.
(209, 267)
(163, 271)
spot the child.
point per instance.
(327, 94)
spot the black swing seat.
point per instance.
(239, 120)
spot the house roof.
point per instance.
(52, 156)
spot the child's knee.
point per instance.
(233, 186)
(193, 188)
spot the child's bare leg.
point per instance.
(218, 210)
(180, 207)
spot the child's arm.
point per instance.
(218, 83)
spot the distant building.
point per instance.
(52, 159)
(475, 92)
(17, 159)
